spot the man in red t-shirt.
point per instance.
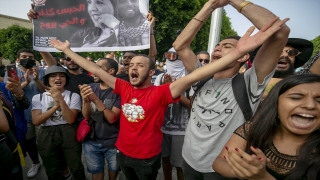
(143, 105)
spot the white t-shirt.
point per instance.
(215, 114)
(47, 103)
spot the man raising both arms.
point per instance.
(215, 113)
(144, 105)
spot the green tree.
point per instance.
(174, 15)
(316, 44)
(14, 38)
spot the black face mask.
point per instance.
(27, 63)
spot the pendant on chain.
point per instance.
(218, 94)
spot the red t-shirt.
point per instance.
(141, 117)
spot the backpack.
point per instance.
(21, 128)
(239, 91)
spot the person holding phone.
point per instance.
(30, 78)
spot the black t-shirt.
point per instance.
(123, 76)
(76, 80)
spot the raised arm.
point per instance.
(82, 62)
(268, 56)
(153, 46)
(245, 44)
(183, 41)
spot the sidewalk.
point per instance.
(42, 174)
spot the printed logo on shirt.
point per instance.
(56, 116)
(132, 112)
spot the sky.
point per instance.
(304, 15)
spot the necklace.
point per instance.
(216, 90)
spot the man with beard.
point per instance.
(31, 84)
(143, 105)
(296, 52)
(134, 26)
(76, 76)
(98, 98)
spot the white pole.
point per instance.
(215, 29)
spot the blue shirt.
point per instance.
(30, 90)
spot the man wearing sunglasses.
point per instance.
(203, 57)
(296, 52)
(215, 112)
(76, 76)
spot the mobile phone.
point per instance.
(12, 71)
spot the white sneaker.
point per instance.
(33, 171)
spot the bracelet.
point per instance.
(19, 96)
(198, 20)
(243, 5)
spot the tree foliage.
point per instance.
(316, 44)
(174, 15)
(171, 15)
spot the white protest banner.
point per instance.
(92, 25)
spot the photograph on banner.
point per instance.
(92, 25)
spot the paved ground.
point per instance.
(42, 174)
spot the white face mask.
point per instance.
(17, 64)
(157, 63)
(43, 63)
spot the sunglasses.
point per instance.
(292, 52)
(171, 56)
(205, 60)
(127, 57)
(67, 59)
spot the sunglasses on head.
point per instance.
(292, 52)
(205, 60)
(67, 59)
(171, 56)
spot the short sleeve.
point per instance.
(75, 101)
(122, 86)
(36, 104)
(242, 130)
(157, 82)
(117, 103)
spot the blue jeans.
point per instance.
(142, 169)
(95, 154)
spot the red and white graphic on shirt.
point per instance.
(132, 112)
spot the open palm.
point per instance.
(248, 43)
(60, 45)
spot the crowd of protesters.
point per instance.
(238, 112)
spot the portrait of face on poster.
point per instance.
(92, 25)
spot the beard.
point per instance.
(142, 80)
(77, 67)
(285, 73)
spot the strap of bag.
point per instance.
(240, 93)
(69, 96)
(200, 85)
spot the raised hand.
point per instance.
(35, 73)
(247, 43)
(14, 86)
(167, 79)
(85, 91)
(27, 76)
(32, 14)
(60, 45)
(151, 19)
(245, 166)
(56, 95)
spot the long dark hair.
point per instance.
(265, 124)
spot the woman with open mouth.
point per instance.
(282, 140)
(56, 111)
